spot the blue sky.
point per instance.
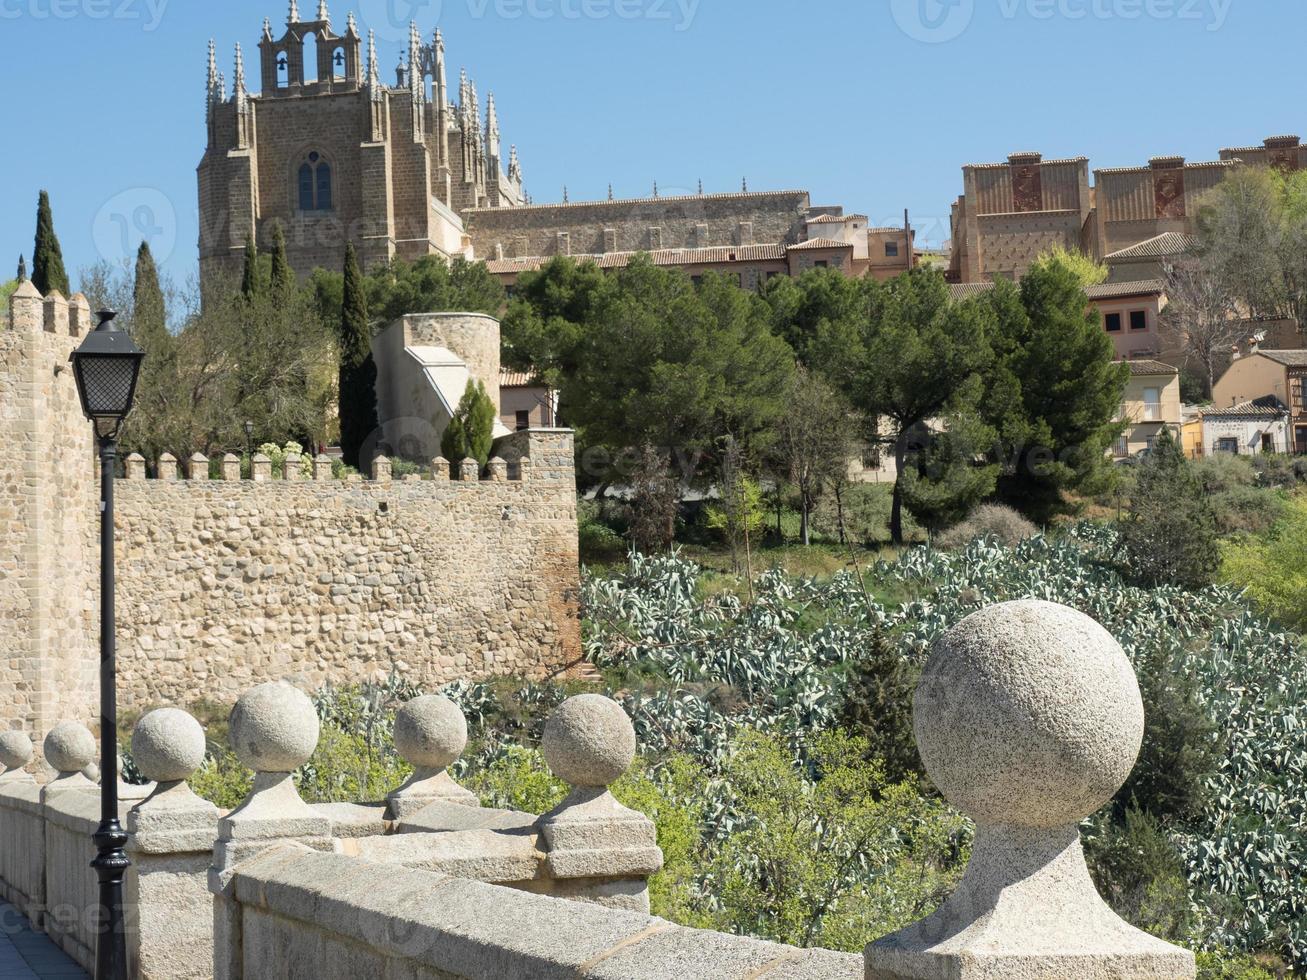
(873, 104)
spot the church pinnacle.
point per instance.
(211, 84)
(294, 16)
(324, 14)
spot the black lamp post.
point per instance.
(249, 440)
(106, 367)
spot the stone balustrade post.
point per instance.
(321, 468)
(606, 850)
(260, 468)
(79, 315)
(22, 851)
(469, 471)
(172, 832)
(197, 467)
(291, 468)
(134, 467)
(430, 735)
(16, 753)
(70, 749)
(382, 469)
(1028, 718)
(231, 468)
(440, 469)
(273, 730)
(167, 466)
(498, 470)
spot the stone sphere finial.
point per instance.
(168, 745)
(16, 750)
(430, 732)
(274, 728)
(1028, 714)
(69, 747)
(589, 741)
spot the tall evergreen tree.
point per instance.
(283, 277)
(471, 431)
(250, 274)
(149, 315)
(22, 268)
(358, 371)
(47, 257)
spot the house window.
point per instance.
(1300, 440)
(1152, 404)
(523, 421)
(1113, 322)
(821, 264)
(1122, 447)
(1228, 445)
(891, 250)
(315, 183)
(1138, 319)
(1299, 388)
(1268, 442)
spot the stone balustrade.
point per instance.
(513, 467)
(1028, 718)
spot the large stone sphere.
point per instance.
(430, 732)
(69, 747)
(273, 728)
(1028, 713)
(589, 741)
(15, 750)
(167, 745)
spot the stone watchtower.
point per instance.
(336, 155)
(48, 551)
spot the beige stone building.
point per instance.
(1278, 373)
(1009, 213)
(1258, 426)
(1151, 403)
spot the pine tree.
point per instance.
(47, 258)
(283, 278)
(250, 275)
(1171, 534)
(358, 371)
(471, 431)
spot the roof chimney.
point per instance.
(1166, 163)
(1025, 157)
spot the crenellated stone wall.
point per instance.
(225, 583)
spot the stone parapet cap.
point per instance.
(464, 928)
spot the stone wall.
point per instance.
(226, 584)
(48, 496)
(597, 227)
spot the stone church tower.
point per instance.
(335, 155)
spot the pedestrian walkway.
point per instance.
(26, 954)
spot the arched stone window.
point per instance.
(313, 180)
(283, 70)
(338, 63)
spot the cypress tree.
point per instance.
(22, 268)
(250, 275)
(149, 315)
(358, 371)
(47, 258)
(471, 431)
(283, 279)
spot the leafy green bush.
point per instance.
(1005, 525)
(866, 511)
(1272, 569)
(1224, 471)
(1226, 966)
(1141, 875)
(1247, 509)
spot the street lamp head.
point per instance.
(106, 367)
(249, 428)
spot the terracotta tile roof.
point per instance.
(1116, 290)
(712, 255)
(836, 219)
(1289, 358)
(819, 243)
(1167, 243)
(966, 290)
(1149, 369)
(1207, 164)
(1267, 407)
(518, 379)
(739, 195)
(1005, 164)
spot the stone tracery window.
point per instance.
(314, 181)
